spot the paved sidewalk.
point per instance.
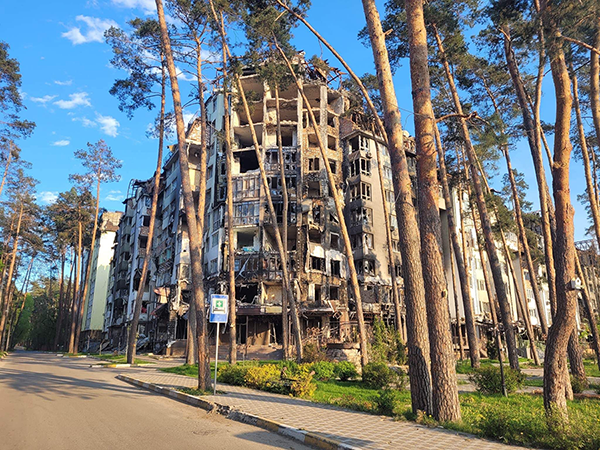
(352, 428)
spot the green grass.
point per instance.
(591, 368)
(535, 382)
(120, 359)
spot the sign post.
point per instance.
(218, 315)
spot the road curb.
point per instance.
(306, 437)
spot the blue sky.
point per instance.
(67, 76)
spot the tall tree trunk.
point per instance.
(230, 243)
(446, 406)
(68, 304)
(334, 191)
(63, 257)
(7, 291)
(409, 239)
(502, 296)
(564, 248)
(132, 338)
(541, 308)
(460, 261)
(459, 334)
(17, 313)
(534, 138)
(194, 231)
(284, 228)
(86, 283)
(74, 310)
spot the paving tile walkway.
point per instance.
(352, 428)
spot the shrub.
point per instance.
(313, 353)
(345, 370)
(488, 379)
(388, 402)
(579, 384)
(262, 377)
(290, 366)
(302, 384)
(378, 375)
(387, 344)
(233, 374)
(324, 370)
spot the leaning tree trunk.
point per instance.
(7, 294)
(460, 261)
(86, 283)
(525, 246)
(132, 337)
(194, 231)
(534, 139)
(409, 239)
(502, 296)
(7, 166)
(445, 402)
(364, 356)
(285, 318)
(76, 287)
(229, 201)
(564, 248)
(287, 283)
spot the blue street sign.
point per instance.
(218, 308)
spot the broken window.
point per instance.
(360, 166)
(389, 196)
(313, 189)
(245, 213)
(213, 266)
(314, 236)
(317, 263)
(146, 221)
(317, 293)
(248, 161)
(335, 268)
(290, 182)
(333, 166)
(334, 292)
(369, 266)
(334, 241)
(245, 241)
(368, 241)
(209, 172)
(360, 191)
(361, 216)
(244, 187)
(316, 213)
(313, 164)
(356, 240)
(396, 246)
(214, 240)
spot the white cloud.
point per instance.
(115, 196)
(108, 124)
(63, 83)
(148, 6)
(75, 100)
(43, 100)
(85, 121)
(185, 76)
(93, 33)
(47, 197)
(61, 143)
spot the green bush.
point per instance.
(302, 384)
(233, 374)
(579, 384)
(378, 375)
(386, 344)
(488, 379)
(389, 402)
(290, 366)
(262, 377)
(345, 370)
(313, 353)
(324, 370)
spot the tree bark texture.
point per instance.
(409, 239)
(445, 403)
(7, 300)
(194, 231)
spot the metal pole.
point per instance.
(216, 357)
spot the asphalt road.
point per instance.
(48, 402)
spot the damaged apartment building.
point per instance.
(317, 258)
